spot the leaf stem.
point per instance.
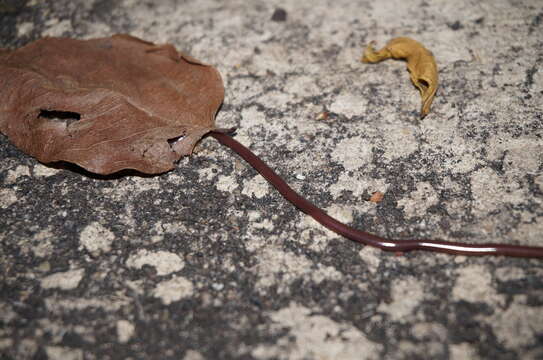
(455, 248)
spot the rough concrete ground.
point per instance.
(209, 262)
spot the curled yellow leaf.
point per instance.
(420, 63)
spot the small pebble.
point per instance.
(279, 15)
(217, 286)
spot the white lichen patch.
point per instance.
(314, 236)
(63, 353)
(529, 233)
(96, 239)
(275, 100)
(457, 208)
(426, 331)
(141, 184)
(474, 284)
(341, 213)
(419, 200)
(193, 355)
(226, 183)
(57, 28)
(424, 350)
(315, 337)
(251, 118)
(252, 241)
(133, 185)
(106, 303)
(462, 163)
(125, 331)
(163, 261)
(406, 294)
(208, 173)
(97, 29)
(14, 174)
(256, 223)
(463, 351)
(521, 155)
(7, 198)
(42, 243)
(349, 105)
(63, 280)
(257, 187)
(399, 141)
(348, 56)
(442, 133)
(44, 171)
(277, 267)
(490, 191)
(241, 90)
(371, 257)
(519, 325)
(510, 273)
(302, 86)
(160, 229)
(173, 290)
(357, 185)
(24, 28)
(353, 153)
(272, 58)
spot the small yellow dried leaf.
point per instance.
(420, 63)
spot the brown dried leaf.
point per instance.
(106, 104)
(377, 197)
(420, 63)
(323, 115)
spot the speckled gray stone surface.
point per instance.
(209, 262)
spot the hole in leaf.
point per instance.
(66, 116)
(174, 140)
(424, 83)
